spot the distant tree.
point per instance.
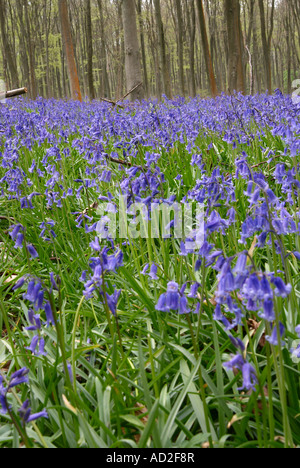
(236, 77)
(31, 51)
(266, 35)
(69, 50)
(162, 50)
(180, 45)
(103, 57)
(7, 51)
(143, 50)
(191, 21)
(132, 53)
(206, 49)
(89, 38)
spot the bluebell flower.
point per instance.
(169, 300)
(54, 282)
(241, 264)
(15, 229)
(112, 301)
(295, 352)
(69, 367)
(237, 342)
(152, 272)
(27, 416)
(19, 377)
(19, 241)
(281, 289)
(194, 288)
(273, 338)
(3, 401)
(183, 307)
(32, 251)
(49, 313)
(33, 344)
(172, 299)
(248, 371)
(268, 314)
(34, 320)
(249, 377)
(19, 283)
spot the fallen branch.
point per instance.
(116, 103)
(122, 162)
(12, 93)
(129, 92)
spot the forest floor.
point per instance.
(149, 273)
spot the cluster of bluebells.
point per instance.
(175, 299)
(17, 234)
(104, 263)
(239, 362)
(37, 295)
(150, 128)
(18, 378)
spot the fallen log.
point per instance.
(12, 93)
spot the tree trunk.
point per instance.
(166, 80)
(89, 36)
(180, 45)
(236, 78)
(69, 50)
(33, 85)
(23, 52)
(266, 42)
(11, 62)
(132, 53)
(142, 38)
(206, 50)
(191, 18)
(106, 85)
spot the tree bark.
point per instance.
(191, 18)
(206, 50)
(132, 53)
(31, 53)
(236, 78)
(180, 45)
(89, 36)
(11, 62)
(166, 81)
(143, 51)
(266, 42)
(69, 50)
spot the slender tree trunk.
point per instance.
(106, 85)
(236, 78)
(11, 62)
(180, 45)
(47, 29)
(31, 47)
(166, 80)
(192, 33)
(23, 52)
(143, 51)
(89, 36)
(132, 53)
(206, 50)
(69, 50)
(266, 42)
